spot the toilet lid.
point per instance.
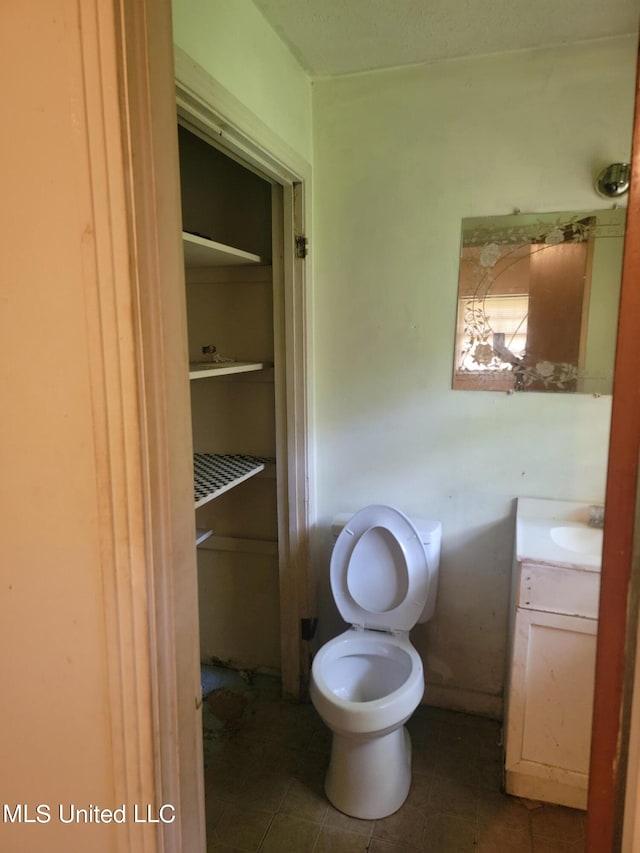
(379, 570)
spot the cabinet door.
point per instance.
(550, 706)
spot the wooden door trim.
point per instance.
(104, 247)
(615, 656)
(166, 582)
(131, 255)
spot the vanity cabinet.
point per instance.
(552, 652)
(230, 311)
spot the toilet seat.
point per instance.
(379, 570)
(332, 688)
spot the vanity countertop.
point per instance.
(535, 520)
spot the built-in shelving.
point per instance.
(224, 368)
(200, 252)
(214, 474)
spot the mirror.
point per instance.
(538, 302)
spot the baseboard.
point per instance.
(464, 700)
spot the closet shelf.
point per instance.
(224, 368)
(215, 474)
(241, 545)
(202, 534)
(200, 252)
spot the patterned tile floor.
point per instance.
(265, 763)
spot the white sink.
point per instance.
(578, 538)
(557, 533)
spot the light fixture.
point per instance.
(613, 181)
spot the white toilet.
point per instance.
(366, 683)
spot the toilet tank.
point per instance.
(431, 535)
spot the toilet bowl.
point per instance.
(366, 683)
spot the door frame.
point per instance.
(156, 721)
(210, 109)
(616, 665)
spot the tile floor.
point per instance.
(264, 767)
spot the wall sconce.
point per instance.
(613, 181)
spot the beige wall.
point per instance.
(400, 157)
(75, 715)
(55, 733)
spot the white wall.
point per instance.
(400, 157)
(234, 43)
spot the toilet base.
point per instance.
(369, 778)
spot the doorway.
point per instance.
(254, 305)
(254, 591)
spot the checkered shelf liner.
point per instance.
(214, 474)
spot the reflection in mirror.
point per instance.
(538, 301)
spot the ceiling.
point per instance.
(330, 37)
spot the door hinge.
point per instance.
(308, 628)
(302, 246)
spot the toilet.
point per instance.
(368, 681)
